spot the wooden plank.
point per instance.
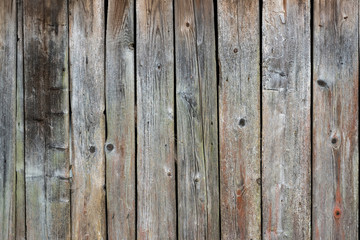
(46, 119)
(335, 120)
(120, 118)
(286, 122)
(156, 199)
(20, 144)
(7, 117)
(239, 118)
(87, 64)
(196, 101)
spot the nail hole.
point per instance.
(242, 122)
(159, 67)
(187, 24)
(334, 141)
(337, 213)
(110, 147)
(321, 83)
(92, 149)
(236, 50)
(169, 174)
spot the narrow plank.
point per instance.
(20, 144)
(335, 120)
(239, 118)
(7, 117)
(120, 118)
(156, 198)
(196, 101)
(286, 144)
(87, 64)
(46, 119)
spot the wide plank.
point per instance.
(7, 117)
(87, 78)
(239, 118)
(156, 192)
(46, 119)
(196, 111)
(335, 120)
(286, 133)
(120, 119)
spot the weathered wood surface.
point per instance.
(156, 192)
(46, 119)
(87, 69)
(20, 144)
(286, 133)
(239, 118)
(196, 101)
(335, 116)
(7, 117)
(120, 119)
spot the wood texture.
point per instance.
(20, 232)
(7, 117)
(196, 101)
(156, 192)
(286, 136)
(87, 64)
(239, 118)
(46, 119)
(335, 116)
(120, 118)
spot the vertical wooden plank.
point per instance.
(120, 117)
(196, 101)
(156, 203)
(20, 144)
(87, 65)
(335, 120)
(239, 118)
(46, 119)
(286, 135)
(7, 117)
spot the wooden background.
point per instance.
(179, 119)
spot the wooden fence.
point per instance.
(179, 119)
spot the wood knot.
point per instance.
(187, 24)
(337, 213)
(110, 147)
(92, 149)
(258, 181)
(334, 140)
(322, 83)
(242, 122)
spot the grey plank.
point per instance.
(7, 117)
(196, 106)
(335, 120)
(120, 118)
(286, 143)
(87, 64)
(239, 118)
(46, 119)
(156, 199)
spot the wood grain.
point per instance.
(87, 64)
(120, 118)
(20, 143)
(335, 120)
(239, 118)
(156, 198)
(7, 117)
(286, 137)
(196, 106)
(46, 119)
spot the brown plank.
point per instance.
(20, 144)
(286, 144)
(120, 118)
(239, 118)
(87, 64)
(196, 101)
(7, 117)
(156, 203)
(46, 119)
(335, 120)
